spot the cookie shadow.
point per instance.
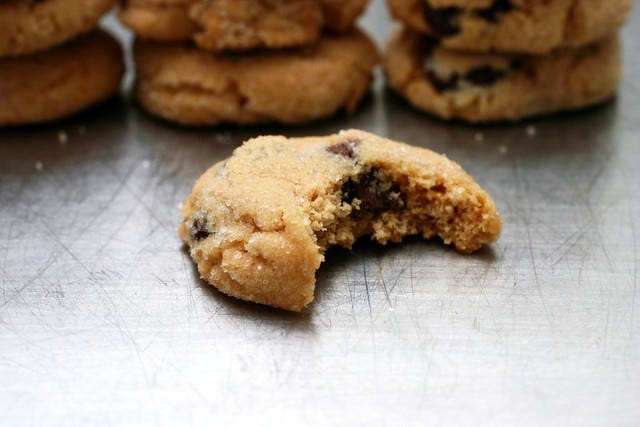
(230, 306)
(331, 296)
(167, 130)
(584, 132)
(368, 273)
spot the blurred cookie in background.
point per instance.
(191, 86)
(57, 83)
(28, 26)
(239, 25)
(532, 26)
(487, 87)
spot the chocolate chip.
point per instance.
(442, 21)
(34, 3)
(516, 63)
(375, 196)
(484, 76)
(439, 188)
(441, 85)
(490, 14)
(427, 45)
(199, 229)
(344, 149)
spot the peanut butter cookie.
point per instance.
(483, 87)
(56, 83)
(184, 84)
(258, 224)
(239, 24)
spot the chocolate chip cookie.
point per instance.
(31, 25)
(258, 224)
(184, 84)
(481, 87)
(56, 83)
(239, 24)
(527, 26)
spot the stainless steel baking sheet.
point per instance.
(103, 320)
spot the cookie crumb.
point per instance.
(179, 206)
(145, 164)
(503, 149)
(39, 166)
(63, 138)
(531, 131)
(479, 137)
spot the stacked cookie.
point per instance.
(202, 62)
(494, 60)
(53, 60)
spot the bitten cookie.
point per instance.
(184, 84)
(482, 87)
(56, 83)
(528, 26)
(258, 224)
(239, 24)
(31, 25)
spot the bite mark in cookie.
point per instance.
(372, 192)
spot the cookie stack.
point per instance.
(202, 62)
(497, 60)
(53, 60)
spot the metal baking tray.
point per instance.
(104, 321)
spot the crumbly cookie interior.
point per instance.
(388, 205)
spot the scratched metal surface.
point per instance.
(103, 320)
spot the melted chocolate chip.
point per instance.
(426, 47)
(516, 64)
(199, 229)
(442, 21)
(374, 196)
(441, 85)
(490, 14)
(344, 149)
(439, 188)
(484, 76)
